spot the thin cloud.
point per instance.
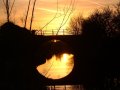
(50, 10)
(93, 2)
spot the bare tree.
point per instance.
(7, 10)
(68, 12)
(100, 24)
(8, 7)
(32, 14)
(116, 19)
(27, 13)
(75, 25)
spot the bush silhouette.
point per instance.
(18, 58)
(101, 36)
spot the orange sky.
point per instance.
(45, 10)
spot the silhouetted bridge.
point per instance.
(52, 32)
(83, 70)
(96, 59)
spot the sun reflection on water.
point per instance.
(57, 66)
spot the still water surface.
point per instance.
(65, 87)
(57, 67)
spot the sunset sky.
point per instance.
(46, 10)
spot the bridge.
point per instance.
(95, 60)
(53, 32)
(83, 71)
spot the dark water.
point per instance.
(65, 87)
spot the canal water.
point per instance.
(65, 87)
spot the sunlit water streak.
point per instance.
(57, 67)
(65, 87)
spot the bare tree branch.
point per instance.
(12, 6)
(27, 13)
(8, 8)
(75, 25)
(4, 2)
(32, 14)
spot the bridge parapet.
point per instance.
(53, 32)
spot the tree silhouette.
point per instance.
(32, 14)
(101, 32)
(27, 13)
(116, 19)
(8, 8)
(99, 24)
(67, 11)
(75, 25)
(102, 23)
(19, 56)
(101, 36)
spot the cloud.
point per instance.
(93, 2)
(86, 3)
(50, 10)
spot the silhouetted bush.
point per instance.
(18, 58)
(102, 23)
(75, 25)
(101, 36)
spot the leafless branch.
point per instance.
(32, 14)
(27, 13)
(12, 6)
(8, 8)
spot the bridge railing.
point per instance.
(52, 32)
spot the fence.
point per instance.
(53, 32)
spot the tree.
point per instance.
(116, 19)
(67, 11)
(102, 23)
(101, 35)
(27, 13)
(99, 24)
(8, 8)
(75, 25)
(32, 14)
